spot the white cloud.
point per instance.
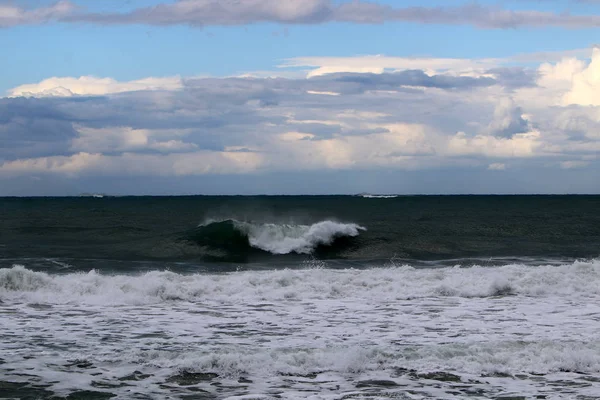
(322, 93)
(570, 81)
(585, 88)
(90, 85)
(202, 163)
(398, 146)
(497, 167)
(68, 165)
(377, 64)
(295, 136)
(196, 163)
(520, 145)
(123, 139)
(583, 122)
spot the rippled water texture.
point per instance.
(386, 332)
(332, 297)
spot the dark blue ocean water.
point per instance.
(240, 230)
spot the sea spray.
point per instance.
(275, 238)
(302, 239)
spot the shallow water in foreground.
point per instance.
(311, 333)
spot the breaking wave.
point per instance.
(353, 333)
(240, 236)
(581, 278)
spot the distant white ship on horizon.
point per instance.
(96, 195)
(377, 196)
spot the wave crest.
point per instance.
(301, 239)
(383, 285)
(20, 278)
(274, 238)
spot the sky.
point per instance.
(158, 97)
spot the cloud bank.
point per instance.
(233, 12)
(12, 15)
(467, 115)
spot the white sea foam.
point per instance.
(293, 238)
(302, 239)
(391, 283)
(312, 333)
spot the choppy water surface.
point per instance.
(370, 297)
(392, 332)
(284, 229)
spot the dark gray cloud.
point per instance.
(511, 123)
(234, 12)
(515, 77)
(33, 127)
(227, 12)
(469, 14)
(12, 15)
(361, 82)
(222, 12)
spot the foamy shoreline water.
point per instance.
(393, 332)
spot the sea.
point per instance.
(300, 297)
